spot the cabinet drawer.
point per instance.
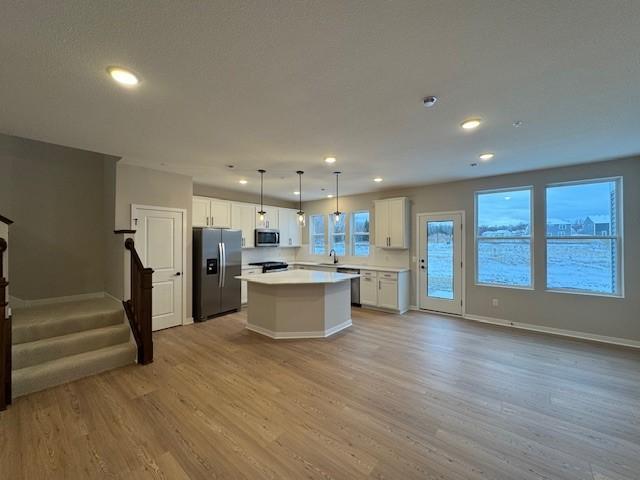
(368, 274)
(388, 275)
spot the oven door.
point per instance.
(267, 237)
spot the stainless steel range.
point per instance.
(269, 267)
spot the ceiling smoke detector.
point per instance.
(429, 101)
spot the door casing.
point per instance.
(463, 253)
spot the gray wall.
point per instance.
(55, 195)
(143, 186)
(615, 317)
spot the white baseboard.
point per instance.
(19, 303)
(555, 331)
(188, 321)
(293, 335)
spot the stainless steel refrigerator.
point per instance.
(217, 260)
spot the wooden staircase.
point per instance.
(55, 344)
(47, 345)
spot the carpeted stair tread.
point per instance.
(46, 321)
(48, 349)
(70, 368)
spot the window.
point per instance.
(360, 234)
(316, 234)
(503, 238)
(585, 254)
(338, 234)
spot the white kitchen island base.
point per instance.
(298, 304)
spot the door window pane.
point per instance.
(440, 259)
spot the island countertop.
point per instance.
(292, 277)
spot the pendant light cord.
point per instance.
(262, 172)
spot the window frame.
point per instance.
(619, 237)
(477, 239)
(353, 233)
(312, 235)
(330, 225)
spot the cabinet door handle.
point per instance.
(207, 221)
(379, 285)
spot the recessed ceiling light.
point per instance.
(517, 123)
(485, 157)
(296, 193)
(242, 182)
(329, 196)
(123, 76)
(377, 179)
(471, 124)
(330, 160)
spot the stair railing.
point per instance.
(5, 322)
(138, 307)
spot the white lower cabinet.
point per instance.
(378, 289)
(388, 294)
(368, 288)
(388, 290)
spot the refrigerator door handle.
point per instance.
(220, 262)
(224, 264)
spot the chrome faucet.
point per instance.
(335, 255)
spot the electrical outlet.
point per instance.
(495, 302)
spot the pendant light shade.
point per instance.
(261, 213)
(300, 211)
(337, 213)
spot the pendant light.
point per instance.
(262, 213)
(337, 213)
(300, 211)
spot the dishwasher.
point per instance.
(355, 285)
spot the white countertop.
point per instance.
(376, 268)
(297, 277)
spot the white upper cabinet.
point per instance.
(210, 212)
(220, 213)
(290, 230)
(270, 218)
(243, 218)
(392, 223)
(201, 212)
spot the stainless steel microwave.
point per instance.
(267, 237)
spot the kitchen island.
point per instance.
(298, 303)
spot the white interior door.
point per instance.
(440, 262)
(158, 240)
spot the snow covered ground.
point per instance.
(580, 265)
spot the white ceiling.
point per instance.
(281, 84)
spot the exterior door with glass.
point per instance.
(440, 262)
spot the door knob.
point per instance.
(178, 274)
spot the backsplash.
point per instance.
(378, 256)
(267, 254)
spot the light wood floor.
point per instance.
(418, 396)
